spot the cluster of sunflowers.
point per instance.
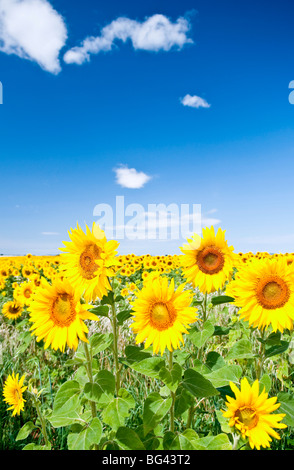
(60, 292)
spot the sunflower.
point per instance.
(161, 314)
(264, 291)
(58, 316)
(124, 292)
(208, 262)
(12, 309)
(13, 393)
(25, 292)
(89, 261)
(250, 413)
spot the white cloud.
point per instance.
(209, 221)
(32, 30)
(130, 177)
(50, 233)
(194, 102)
(155, 33)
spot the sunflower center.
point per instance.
(87, 261)
(272, 292)
(14, 309)
(247, 416)
(210, 260)
(17, 395)
(162, 317)
(63, 312)
(27, 293)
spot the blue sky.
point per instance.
(65, 127)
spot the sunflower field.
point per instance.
(110, 352)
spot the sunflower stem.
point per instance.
(236, 439)
(90, 376)
(115, 348)
(42, 420)
(205, 308)
(259, 367)
(172, 394)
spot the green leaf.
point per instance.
(25, 431)
(123, 316)
(223, 376)
(183, 400)
(108, 299)
(118, 409)
(85, 439)
(222, 299)
(101, 310)
(181, 441)
(277, 349)
(220, 330)
(67, 397)
(198, 385)
(102, 390)
(135, 354)
(149, 366)
(199, 337)
(66, 405)
(214, 360)
(287, 406)
(266, 382)
(224, 422)
(33, 446)
(100, 341)
(128, 439)
(171, 378)
(155, 409)
(241, 350)
(219, 442)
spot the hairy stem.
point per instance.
(173, 396)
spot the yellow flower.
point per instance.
(264, 289)
(208, 262)
(58, 316)
(13, 393)
(12, 309)
(250, 413)
(25, 292)
(124, 292)
(89, 261)
(161, 314)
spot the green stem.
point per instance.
(205, 308)
(173, 396)
(42, 420)
(259, 366)
(90, 377)
(115, 348)
(190, 416)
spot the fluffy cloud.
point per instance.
(155, 33)
(194, 102)
(131, 178)
(32, 30)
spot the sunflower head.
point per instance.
(162, 314)
(25, 292)
(13, 393)
(89, 261)
(58, 315)
(208, 262)
(12, 309)
(264, 291)
(251, 414)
